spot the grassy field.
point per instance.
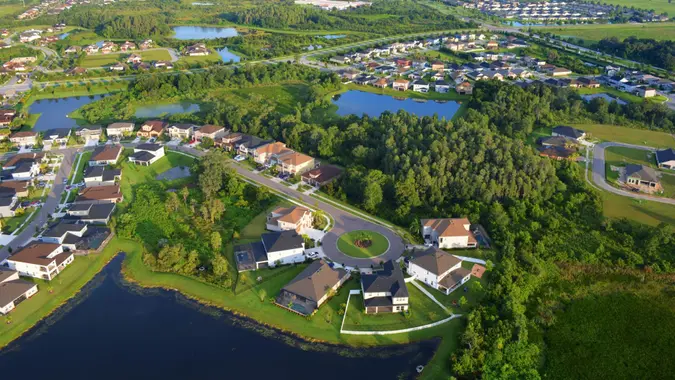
(648, 212)
(620, 94)
(211, 58)
(615, 326)
(64, 287)
(102, 60)
(596, 32)
(284, 97)
(628, 135)
(620, 156)
(133, 174)
(11, 9)
(475, 291)
(378, 244)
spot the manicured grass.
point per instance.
(211, 58)
(11, 9)
(648, 212)
(626, 135)
(668, 183)
(65, 286)
(134, 174)
(155, 55)
(620, 156)
(378, 244)
(79, 171)
(422, 312)
(473, 295)
(100, 60)
(11, 224)
(596, 32)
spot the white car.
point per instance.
(239, 158)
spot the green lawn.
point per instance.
(155, 55)
(11, 9)
(206, 59)
(596, 32)
(11, 224)
(79, 171)
(376, 243)
(619, 94)
(422, 312)
(473, 295)
(102, 60)
(65, 286)
(133, 174)
(668, 183)
(627, 135)
(648, 212)
(284, 97)
(620, 156)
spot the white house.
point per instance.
(420, 85)
(385, 291)
(119, 130)
(40, 260)
(13, 290)
(439, 269)
(294, 218)
(66, 234)
(100, 176)
(285, 247)
(448, 233)
(181, 131)
(105, 155)
(8, 205)
(666, 158)
(147, 154)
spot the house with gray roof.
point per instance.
(666, 158)
(438, 269)
(275, 248)
(643, 178)
(385, 290)
(13, 291)
(311, 288)
(92, 213)
(568, 132)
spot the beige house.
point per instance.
(295, 163)
(643, 178)
(120, 130)
(211, 131)
(400, 85)
(448, 233)
(24, 138)
(151, 128)
(263, 153)
(181, 131)
(290, 218)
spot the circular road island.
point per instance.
(362, 244)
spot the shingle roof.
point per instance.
(11, 290)
(101, 171)
(389, 280)
(36, 253)
(62, 228)
(568, 131)
(282, 241)
(641, 172)
(121, 126)
(106, 153)
(209, 129)
(448, 227)
(149, 146)
(435, 261)
(100, 193)
(665, 155)
(315, 280)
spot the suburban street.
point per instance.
(599, 173)
(344, 221)
(53, 199)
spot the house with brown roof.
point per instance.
(491, 45)
(119, 130)
(100, 194)
(151, 128)
(296, 218)
(40, 260)
(18, 188)
(294, 163)
(464, 88)
(196, 50)
(105, 155)
(449, 233)
(437, 66)
(311, 288)
(381, 83)
(127, 45)
(13, 290)
(321, 175)
(6, 117)
(211, 131)
(264, 153)
(134, 59)
(24, 138)
(439, 269)
(400, 85)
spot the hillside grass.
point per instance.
(627, 135)
(596, 32)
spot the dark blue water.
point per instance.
(157, 110)
(228, 56)
(115, 330)
(359, 103)
(54, 112)
(202, 32)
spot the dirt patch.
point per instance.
(363, 243)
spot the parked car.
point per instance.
(239, 158)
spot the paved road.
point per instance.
(599, 173)
(53, 199)
(343, 221)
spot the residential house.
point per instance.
(666, 158)
(400, 85)
(9, 203)
(645, 92)
(311, 288)
(568, 132)
(449, 233)
(146, 154)
(40, 260)
(560, 72)
(99, 213)
(119, 66)
(440, 75)
(147, 44)
(108, 47)
(91, 49)
(72, 49)
(100, 194)
(163, 65)
(588, 82)
(295, 218)
(555, 141)
(381, 83)
(420, 85)
(105, 155)
(210, 131)
(6, 116)
(12, 188)
(13, 291)
(134, 59)
(441, 86)
(492, 45)
(294, 163)
(385, 290)
(24, 138)
(196, 50)
(341, 60)
(264, 153)
(247, 144)
(126, 46)
(30, 36)
(75, 71)
(464, 88)
(558, 152)
(438, 269)
(321, 175)
(643, 178)
(181, 131)
(57, 136)
(65, 234)
(119, 130)
(437, 66)
(89, 132)
(101, 176)
(151, 128)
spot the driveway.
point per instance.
(49, 206)
(599, 173)
(344, 221)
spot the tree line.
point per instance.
(646, 50)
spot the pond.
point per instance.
(607, 97)
(157, 110)
(63, 36)
(116, 330)
(54, 112)
(228, 56)
(202, 32)
(373, 105)
(334, 36)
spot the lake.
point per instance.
(228, 56)
(157, 110)
(373, 105)
(334, 36)
(116, 330)
(202, 32)
(54, 112)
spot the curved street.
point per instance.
(599, 173)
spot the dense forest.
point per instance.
(109, 24)
(658, 53)
(384, 17)
(540, 213)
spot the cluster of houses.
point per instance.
(635, 82)
(563, 144)
(554, 11)
(18, 64)
(49, 7)
(19, 174)
(330, 5)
